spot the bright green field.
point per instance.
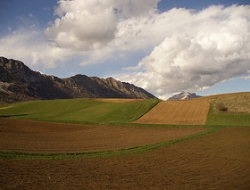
(82, 110)
(227, 118)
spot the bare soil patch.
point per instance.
(219, 161)
(177, 112)
(34, 136)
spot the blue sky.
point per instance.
(163, 46)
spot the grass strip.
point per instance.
(227, 118)
(108, 153)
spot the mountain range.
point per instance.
(183, 96)
(19, 83)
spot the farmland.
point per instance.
(217, 160)
(177, 112)
(121, 144)
(34, 136)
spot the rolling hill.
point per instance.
(198, 111)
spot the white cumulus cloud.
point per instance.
(32, 49)
(92, 24)
(203, 49)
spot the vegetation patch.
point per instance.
(221, 107)
(228, 119)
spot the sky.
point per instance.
(163, 46)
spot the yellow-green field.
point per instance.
(235, 102)
(193, 112)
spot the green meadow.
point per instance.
(82, 110)
(228, 119)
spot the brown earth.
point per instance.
(219, 160)
(58, 137)
(193, 111)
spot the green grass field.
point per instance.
(87, 111)
(227, 118)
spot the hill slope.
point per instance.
(191, 112)
(80, 110)
(18, 82)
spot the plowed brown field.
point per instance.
(177, 112)
(54, 137)
(218, 161)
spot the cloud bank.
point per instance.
(206, 47)
(166, 52)
(32, 48)
(91, 24)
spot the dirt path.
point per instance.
(4, 108)
(218, 161)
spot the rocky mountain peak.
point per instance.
(183, 96)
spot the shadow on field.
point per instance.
(15, 115)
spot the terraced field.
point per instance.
(177, 112)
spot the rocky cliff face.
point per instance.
(18, 82)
